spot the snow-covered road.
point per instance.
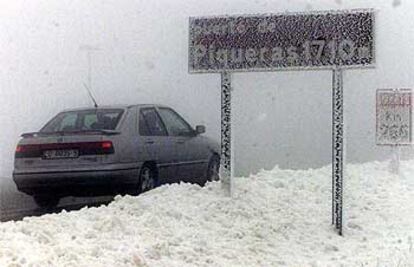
(275, 218)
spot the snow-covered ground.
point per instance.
(275, 218)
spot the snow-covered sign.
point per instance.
(394, 116)
(272, 42)
(282, 41)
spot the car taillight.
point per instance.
(27, 151)
(106, 144)
(107, 147)
(96, 148)
(19, 149)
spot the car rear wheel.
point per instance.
(147, 178)
(213, 169)
(46, 201)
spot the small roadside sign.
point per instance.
(394, 117)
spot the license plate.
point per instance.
(60, 154)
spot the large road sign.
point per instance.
(281, 41)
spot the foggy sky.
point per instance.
(279, 118)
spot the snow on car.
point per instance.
(275, 218)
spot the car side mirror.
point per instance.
(200, 129)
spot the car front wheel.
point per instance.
(213, 169)
(147, 178)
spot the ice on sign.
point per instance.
(394, 117)
(281, 41)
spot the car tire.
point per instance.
(44, 201)
(147, 178)
(212, 173)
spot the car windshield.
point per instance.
(84, 120)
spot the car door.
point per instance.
(191, 151)
(156, 142)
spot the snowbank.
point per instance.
(276, 218)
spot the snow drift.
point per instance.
(275, 218)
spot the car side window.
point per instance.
(176, 126)
(142, 124)
(150, 123)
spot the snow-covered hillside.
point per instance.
(276, 218)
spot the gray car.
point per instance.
(111, 150)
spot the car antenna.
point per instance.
(90, 94)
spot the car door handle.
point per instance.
(149, 142)
(180, 142)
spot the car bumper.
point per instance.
(76, 183)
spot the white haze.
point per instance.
(279, 118)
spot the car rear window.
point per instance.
(84, 120)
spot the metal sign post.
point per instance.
(226, 159)
(274, 42)
(395, 160)
(338, 143)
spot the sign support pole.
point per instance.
(395, 160)
(225, 158)
(338, 141)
